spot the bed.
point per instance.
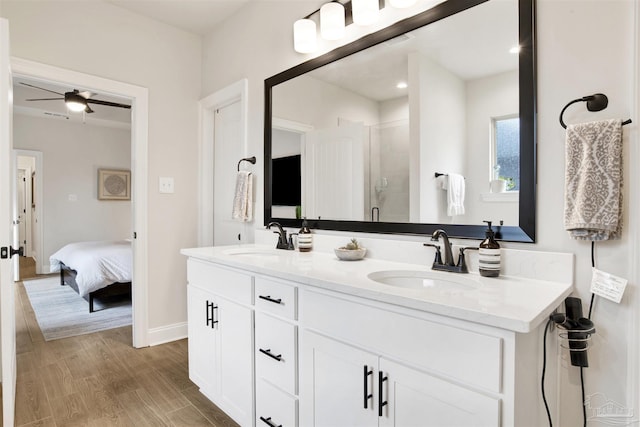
(95, 269)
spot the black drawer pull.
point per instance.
(381, 404)
(268, 298)
(367, 395)
(268, 422)
(271, 355)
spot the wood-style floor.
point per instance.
(101, 380)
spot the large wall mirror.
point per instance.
(383, 134)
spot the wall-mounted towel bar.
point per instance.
(251, 160)
(437, 174)
(595, 102)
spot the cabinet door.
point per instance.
(415, 398)
(235, 325)
(334, 384)
(203, 362)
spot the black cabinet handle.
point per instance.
(367, 395)
(268, 298)
(268, 422)
(271, 355)
(211, 320)
(381, 404)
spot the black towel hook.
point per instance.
(251, 160)
(595, 102)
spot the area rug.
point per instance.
(62, 313)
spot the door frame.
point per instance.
(235, 92)
(37, 197)
(139, 170)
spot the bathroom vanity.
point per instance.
(282, 338)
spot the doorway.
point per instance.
(139, 141)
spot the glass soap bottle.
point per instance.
(489, 254)
(305, 238)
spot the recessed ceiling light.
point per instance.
(402, 85)
(515, 49)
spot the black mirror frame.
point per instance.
(525, 231)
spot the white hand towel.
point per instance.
(455, 194)
(593, 180)
(243, 198)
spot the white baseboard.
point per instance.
(165, 334)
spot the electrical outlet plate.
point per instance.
(166, 185)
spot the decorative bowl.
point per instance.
(350, 254)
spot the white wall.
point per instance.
(105, 40)
(72, 153)
(487, 98)
(584, 47)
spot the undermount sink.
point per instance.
(259, 252)
(426, 280)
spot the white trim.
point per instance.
(633, 355)
(206, 109)
(290, 125)
(139, 169)
(168, 333)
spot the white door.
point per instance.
(7, 178)
(21, 213)
(228, 150)
(338, 384)
(335, 184)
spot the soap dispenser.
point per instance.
(489, 254)
(305, 238)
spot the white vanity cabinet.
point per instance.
(274, 349)
(220, 321)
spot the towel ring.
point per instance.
(595, 102)
(251, 160)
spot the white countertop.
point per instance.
(511, 303)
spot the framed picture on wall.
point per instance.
(114, 184)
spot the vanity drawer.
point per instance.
(226, 282)
(276, 354)
(275, 406)
(276, 297)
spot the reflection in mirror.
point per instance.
(370, 132)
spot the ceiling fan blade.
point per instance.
(107, 103)
(44, 99)
(41, 88)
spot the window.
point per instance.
(506, 151)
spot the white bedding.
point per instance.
(98, 264)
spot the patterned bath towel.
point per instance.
(593, 180)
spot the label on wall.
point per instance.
(607, 285)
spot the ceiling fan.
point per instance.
(76, 101)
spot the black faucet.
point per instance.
(282, 237)
(446, 264)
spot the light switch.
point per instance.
(166, 184)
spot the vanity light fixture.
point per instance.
(365, 12)
(401, 4)
(332, 21)
(304, 35)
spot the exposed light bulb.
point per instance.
(332, 21)
(365, 12)
(401, 4)
(402, 85)
(304, 36)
